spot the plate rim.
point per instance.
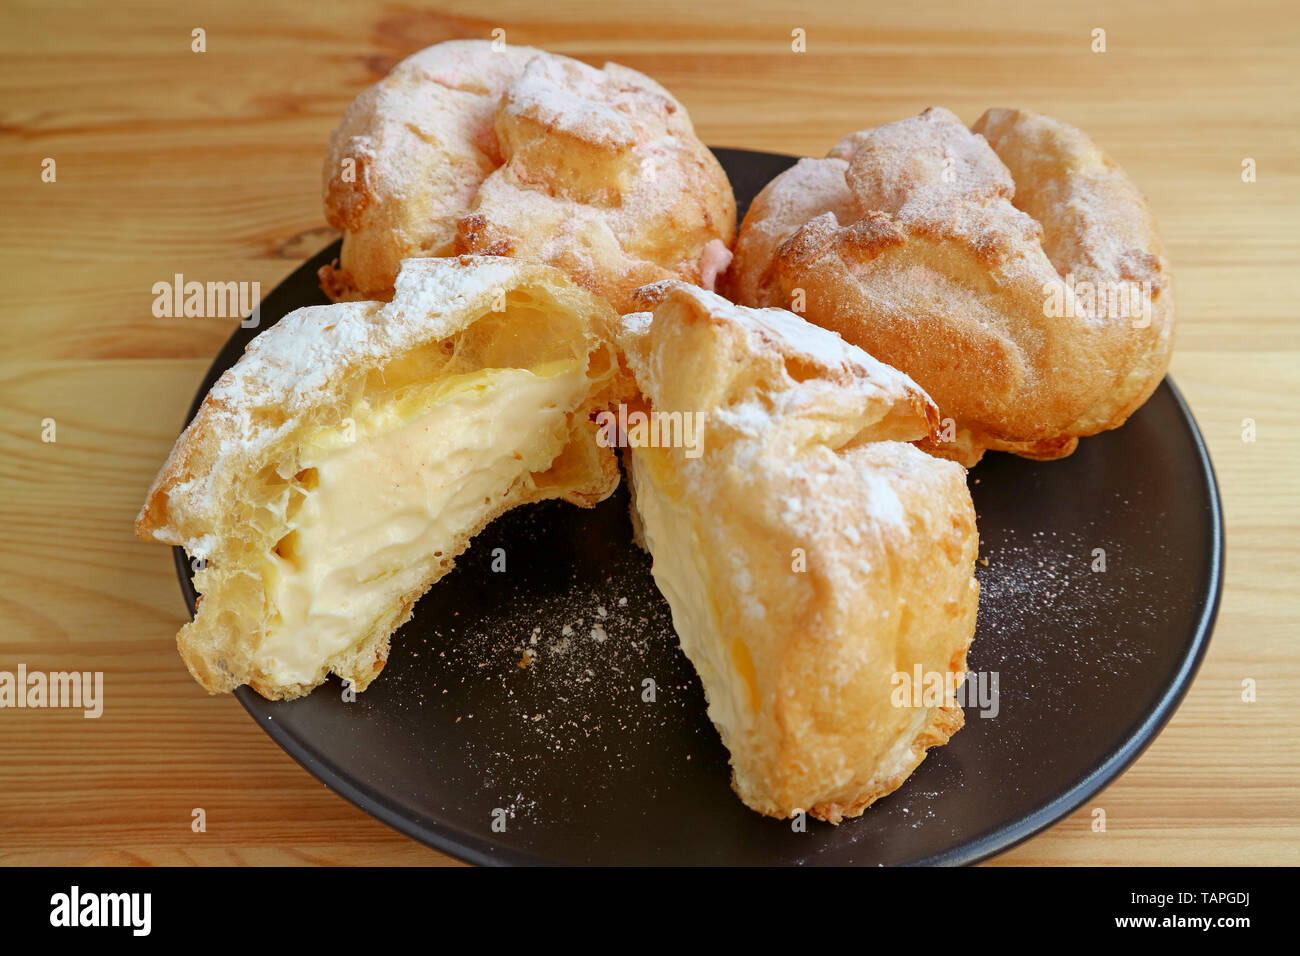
(470, 848)
(1120, 760)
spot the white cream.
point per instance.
(406, 488)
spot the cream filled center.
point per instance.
(681, 572)
(397, 489)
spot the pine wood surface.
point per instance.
(170, 161)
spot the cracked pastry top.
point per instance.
(1012, 269)
(467, 148)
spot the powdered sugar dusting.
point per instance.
(568, 678)
(464, 148)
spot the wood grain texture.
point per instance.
(208, 165)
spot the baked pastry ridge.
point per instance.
(1012, 269)
(808, 552)
(336, 471)
(467, 149)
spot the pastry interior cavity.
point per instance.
(369, 519)
(682, 573)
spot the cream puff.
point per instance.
(1012, 269)
(471, 147)
(336, 471)
(809, 552)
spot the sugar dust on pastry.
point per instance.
(806, 450)
(468, 149)
(1012, 269)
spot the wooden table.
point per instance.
(207, 164)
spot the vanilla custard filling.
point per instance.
(725, 667)
(394, 492)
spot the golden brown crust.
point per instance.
(467, 149)
(225, 490)
(808, 554)
(1014, 271)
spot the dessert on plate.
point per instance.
(467, 148)
(809, 552)
(337, 470)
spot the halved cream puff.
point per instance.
(810, 553)
(335, 472)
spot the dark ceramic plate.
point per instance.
(455, 735)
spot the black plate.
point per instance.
(1091, 665)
